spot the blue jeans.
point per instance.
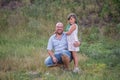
(49, 62)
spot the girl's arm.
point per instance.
(73, 27)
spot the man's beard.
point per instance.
(59, 33)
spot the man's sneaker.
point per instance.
(62, 67)
(76, 70)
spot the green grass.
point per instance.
(27, 56)
(25, 52)
(24, 34)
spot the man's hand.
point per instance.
(76, 43)
(52, 56)
(54, 60)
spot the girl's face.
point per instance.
(72, 20)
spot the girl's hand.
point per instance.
(76, 43)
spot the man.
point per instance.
(58, 49)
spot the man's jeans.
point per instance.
(49, 62)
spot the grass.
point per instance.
(24, 34)
(23, 54)
(27, 59)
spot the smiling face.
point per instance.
(72, 20)
(59, 28)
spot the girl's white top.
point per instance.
(72, 38)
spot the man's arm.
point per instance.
(51, 54)
(50, 48)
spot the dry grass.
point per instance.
(35, 63)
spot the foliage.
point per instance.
(3, 20)
(103, 51)
(24, 33)
(31, 11)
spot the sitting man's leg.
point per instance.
(66, 58)
(49, 62)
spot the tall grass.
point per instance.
(24, 33)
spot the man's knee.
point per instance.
(68, 54)
(48, 62)
(65, 52)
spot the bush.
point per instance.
(31, 11)
(103, 51)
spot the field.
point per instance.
(26, 26)
(22, 57)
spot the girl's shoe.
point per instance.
(76, 70)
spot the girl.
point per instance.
(72, 38)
